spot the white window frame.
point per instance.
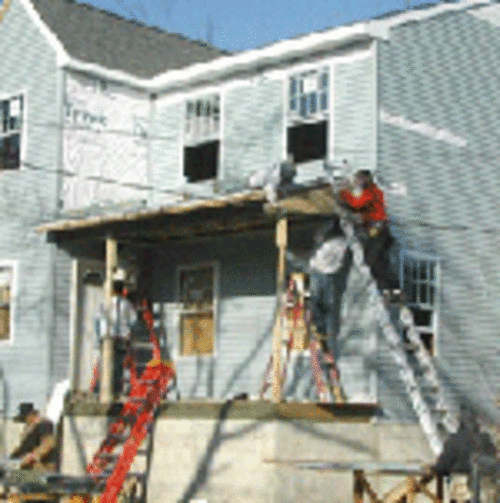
(293, 117)
(180, 311)
(304, 77)
(13, 265)
(198, 129)
(435, 282)
(22, 94)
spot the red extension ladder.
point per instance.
(135, 420)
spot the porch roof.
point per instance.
(234, 212)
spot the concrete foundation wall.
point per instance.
(235, 456)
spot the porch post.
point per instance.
(107, 343)
(74, 327)
(281, 243)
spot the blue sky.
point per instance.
(244, 24)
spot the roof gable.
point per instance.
(96, 36)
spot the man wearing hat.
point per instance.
(37, 449)
(119, 321)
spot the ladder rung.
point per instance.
(411, 346)
(145, 345)
(106, 455)
(432, 388)
(139, 475)
(103, 475)
(119, 437)
(439, 409)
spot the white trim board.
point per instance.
(63, 57)
(225, 66)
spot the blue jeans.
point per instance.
(325, 306)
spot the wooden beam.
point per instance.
(74, 328)
(359, 486)
(405, 489)
(281, 243)
(107, 356)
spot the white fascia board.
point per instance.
(228, 65)
(117, 76)
(61, 54)
(273, 54)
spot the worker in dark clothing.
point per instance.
(458, 450)
(459, 447)
(375, 235)
(38, 448)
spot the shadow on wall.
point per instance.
(197, 381)
(203, 470)
(82, 458)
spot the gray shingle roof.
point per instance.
(97, 36)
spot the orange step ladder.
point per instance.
(298, 307)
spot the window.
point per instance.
(201, 138)
(198, 306)
(307, 142)
(308, 95)
(420, 283)
(202, 118)
(200, 162)
(11, 122)
(6, 279)
(308, 109)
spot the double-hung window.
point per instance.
(202, 138)
(11, 124)
(307, 118)
(198, 300)
(420, 280)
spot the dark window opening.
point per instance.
(10, 149)
(422, 318)
(427, 339)
(307, 142)
(200, 162)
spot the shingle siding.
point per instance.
(253, 117)
(27, 197)
(354, 112)
(166, 130)
(441, 72)
(245, 313)
(60, 340)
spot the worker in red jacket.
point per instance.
(375, 235)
